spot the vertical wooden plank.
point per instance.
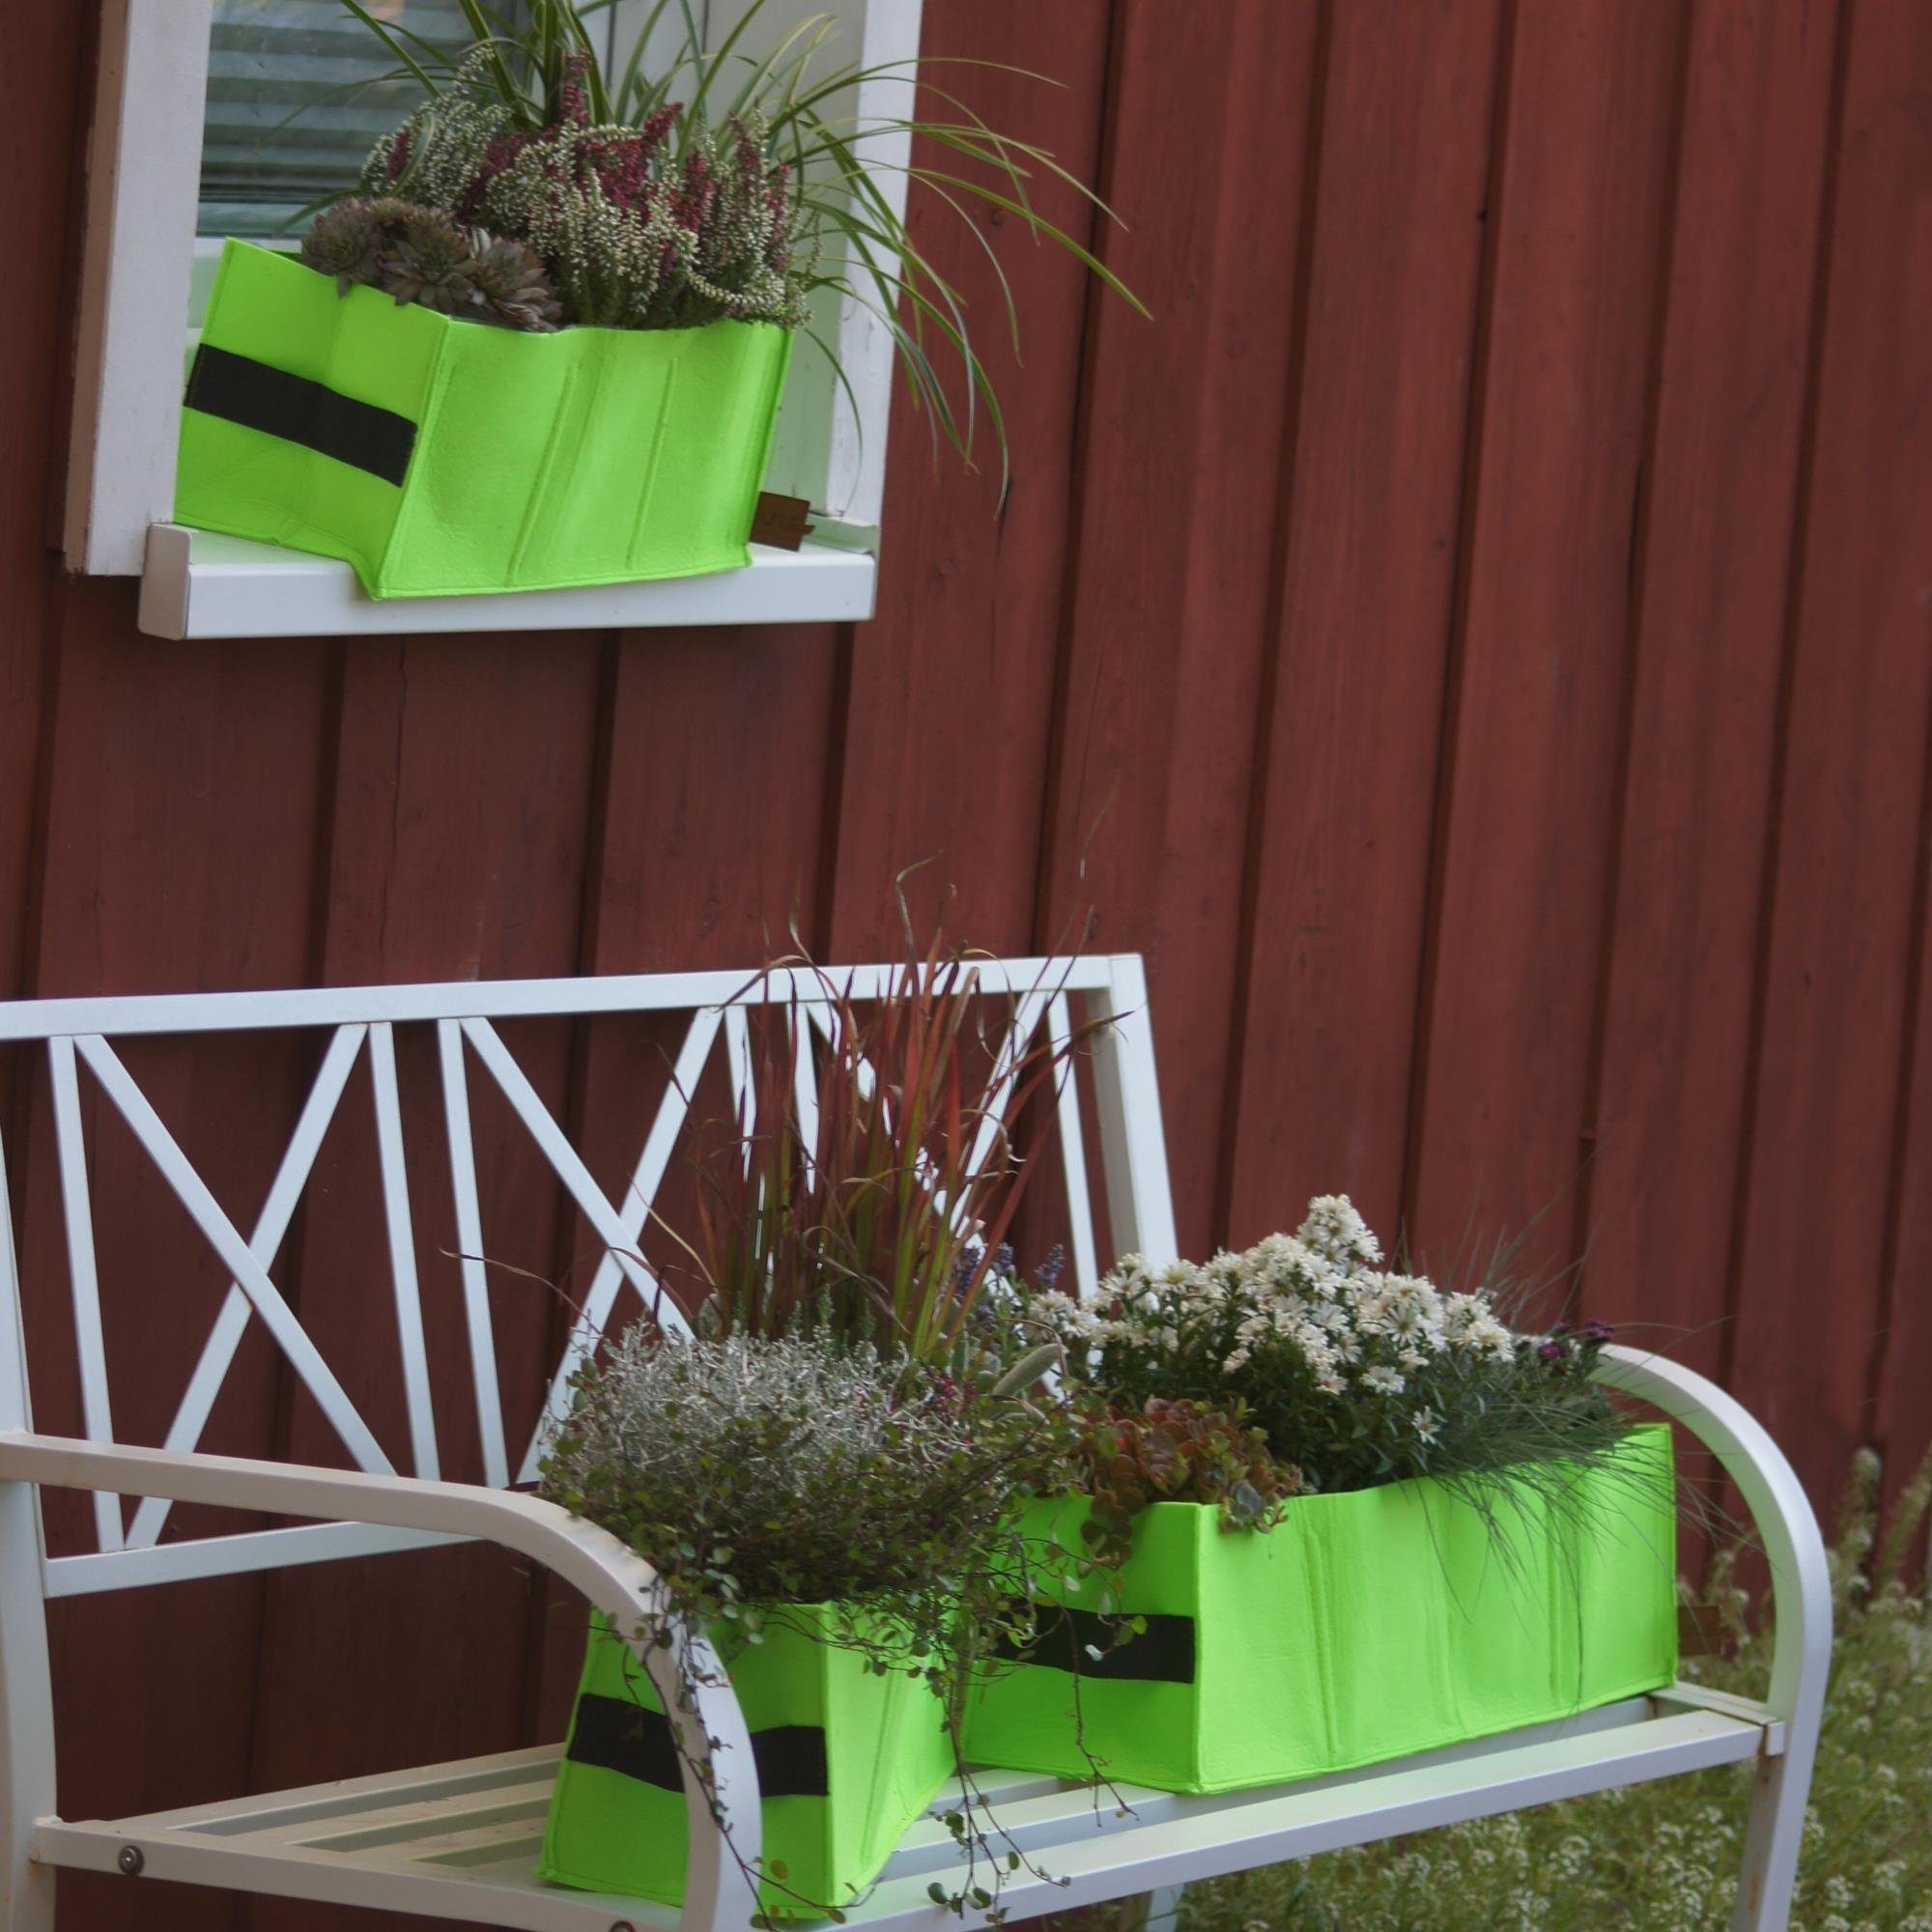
(1901, 1368)
(1530, 779)
(1682, 945)
(1342, 846)
(716, 777)
(177, 832)
(37, 147)
(951, 695)
(1175, 535)
(1844, 909)
(462, 771)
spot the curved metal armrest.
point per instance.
(613, 1575)
(1801, 1579)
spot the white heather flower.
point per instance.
(1384, 1380)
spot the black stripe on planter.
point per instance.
(1161, 1654)
(617, 1735)
(241, 391)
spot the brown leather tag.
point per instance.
(780, 520)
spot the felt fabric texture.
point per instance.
(587, 456)
(885, 1757)
(1365, 1626)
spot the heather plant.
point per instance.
(1665, 1856)
(718, 184)
(1354, 1374)
(634, 234)
(758, 1474)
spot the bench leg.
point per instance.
(1164, 1909)
(26, 1714)
(1772, 1840)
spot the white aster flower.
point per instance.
(1428, 1424)
(1384, 1379)
(1336, 1232)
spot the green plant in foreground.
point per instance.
(758, 1474)
(1664, 1857)
(719, 181)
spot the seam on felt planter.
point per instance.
(1367, 1625)
(536, 460)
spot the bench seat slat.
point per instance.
(458, 1840)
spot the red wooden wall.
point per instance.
(1474, 641)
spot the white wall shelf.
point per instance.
(144, 265)
(200, 585)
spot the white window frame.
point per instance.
(143, 195)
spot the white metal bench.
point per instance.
(457, 1840)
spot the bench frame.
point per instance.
(450, 1840)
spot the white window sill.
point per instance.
(199, 584)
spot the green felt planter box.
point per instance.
(847, 1762)
(1366, 1626)
(441, 457)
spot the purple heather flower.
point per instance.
(1050, 1269)
(1595, 1331)
(1003, 1260)
(1552, 1350)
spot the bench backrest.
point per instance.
(1030, 996)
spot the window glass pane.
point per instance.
(296, 101)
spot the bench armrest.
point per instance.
(616, 1580)
(1801, 1579)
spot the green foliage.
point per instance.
(1176, 1452)
(1354, 1374)
(1664, 1857)
(756, 1473)
(761, 1473)
(817, 215)
(420, 254)
(882, 1217)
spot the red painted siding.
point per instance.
(1473, 641)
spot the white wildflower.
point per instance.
(1335, 1231)
(1384, 1379)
